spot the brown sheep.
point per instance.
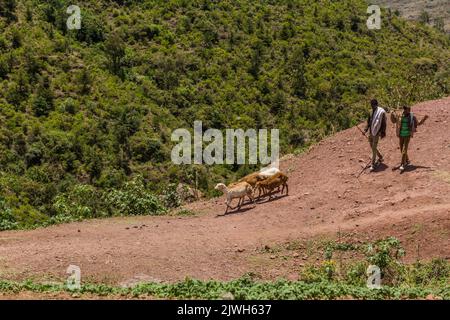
(252, 179)
(274, 182)
(261, 175)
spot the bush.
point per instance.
(8, 9)
(28, 217)
(133, 199)
(81, 202)
(92, 30)
(385, 254)
(436, 272)
(170, 196)
(4, 67)
(7, 219)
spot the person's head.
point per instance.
(406, 109)
(374, 103)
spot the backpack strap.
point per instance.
(412, 124)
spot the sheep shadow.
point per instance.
(266, 199)
(236, 211)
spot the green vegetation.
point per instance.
(86, 115)
(399, 281)
(386, 255)
(242, 289)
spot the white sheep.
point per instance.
(237, 190)
(269, 172)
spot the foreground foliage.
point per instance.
(400, 281)
(241, 289)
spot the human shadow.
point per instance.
(381, 167)
(411, 168)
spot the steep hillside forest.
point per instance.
(86, 115)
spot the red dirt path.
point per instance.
(325, 197)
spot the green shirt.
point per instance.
(405, 130)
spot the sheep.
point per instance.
(268, 172)
(270, 184)
(237, 190)
(252, 179)
(261, 175)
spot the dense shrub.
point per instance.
(83, 201)
(7, 219)
(385, 254)
(133, 199)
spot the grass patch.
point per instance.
(442, 175)
(184, 213)
(244, 288)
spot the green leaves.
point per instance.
(241, 289)
(7, 219)
(8, 9)
(133, 199)
(115, 50)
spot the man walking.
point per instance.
(406, 126)
(376, 125)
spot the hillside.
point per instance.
(437, 10)
(86, 115)
(275, 239)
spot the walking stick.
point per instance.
(365, 134)
(364, 169)
(361, 131)
(370, 162)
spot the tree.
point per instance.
(19, 88)
(256, 61)
(287, 31)
(8, 10)
(85, 81)
(16, 40)
(278, 103)
(424, 17)
(355, 20)
(43, 103)
(29, 13)
(4, 67)
(299, 81)
(92, 30)
(115, 49)
(53, 13)
(439, 24)
(210, 35)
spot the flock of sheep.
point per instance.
(264, 181)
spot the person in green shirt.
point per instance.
(406, 127)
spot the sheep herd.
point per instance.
(265, 182)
